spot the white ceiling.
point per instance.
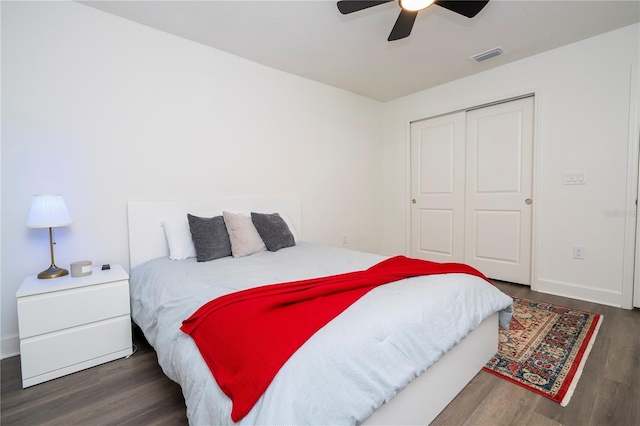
(313, 40)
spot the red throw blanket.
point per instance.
(247, 336)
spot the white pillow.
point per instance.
(179, 239)
(243, 235)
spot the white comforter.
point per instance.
(348, 369)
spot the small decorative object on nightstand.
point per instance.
(81, 268)
(49, 211)
(69, 324)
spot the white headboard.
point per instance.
(146, 236)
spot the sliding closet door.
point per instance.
(471, 189)
(437, 188)
(499, 190)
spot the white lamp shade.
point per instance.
(48, 211)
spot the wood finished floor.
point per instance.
(134, 391)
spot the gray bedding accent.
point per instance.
(273, 230)
(210, 237)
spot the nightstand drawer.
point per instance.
(59, 310)
(75, 346)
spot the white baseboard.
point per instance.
(574, 291)
(9, 346)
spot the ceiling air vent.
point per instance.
(492, 53)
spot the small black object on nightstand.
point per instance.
(106, 267)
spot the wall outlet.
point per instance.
(345, 239)
(578, 252)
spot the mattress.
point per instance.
(349, 368)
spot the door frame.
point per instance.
(466, 106)
(631, 260)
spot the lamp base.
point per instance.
(53, 272)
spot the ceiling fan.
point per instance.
(410, 9)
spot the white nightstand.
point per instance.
(68, 324)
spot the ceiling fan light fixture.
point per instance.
(415, 5)
(409, 11)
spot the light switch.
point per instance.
(575, 178)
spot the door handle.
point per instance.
(413, 201)
(528, 201)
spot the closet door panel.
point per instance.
(499, 189)
(437, 188)
(436, 231)
(498, 162)
(503, 246)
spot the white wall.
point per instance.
(101, 110)
(583, 115)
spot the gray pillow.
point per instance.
(273, 230)
(210, 237)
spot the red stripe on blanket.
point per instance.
(246, 337)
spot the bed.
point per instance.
(390, 379)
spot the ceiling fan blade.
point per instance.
(465, 8)
(403, 25)
(350, 6)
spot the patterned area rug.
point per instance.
(545, 348)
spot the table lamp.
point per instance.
(49, 211)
